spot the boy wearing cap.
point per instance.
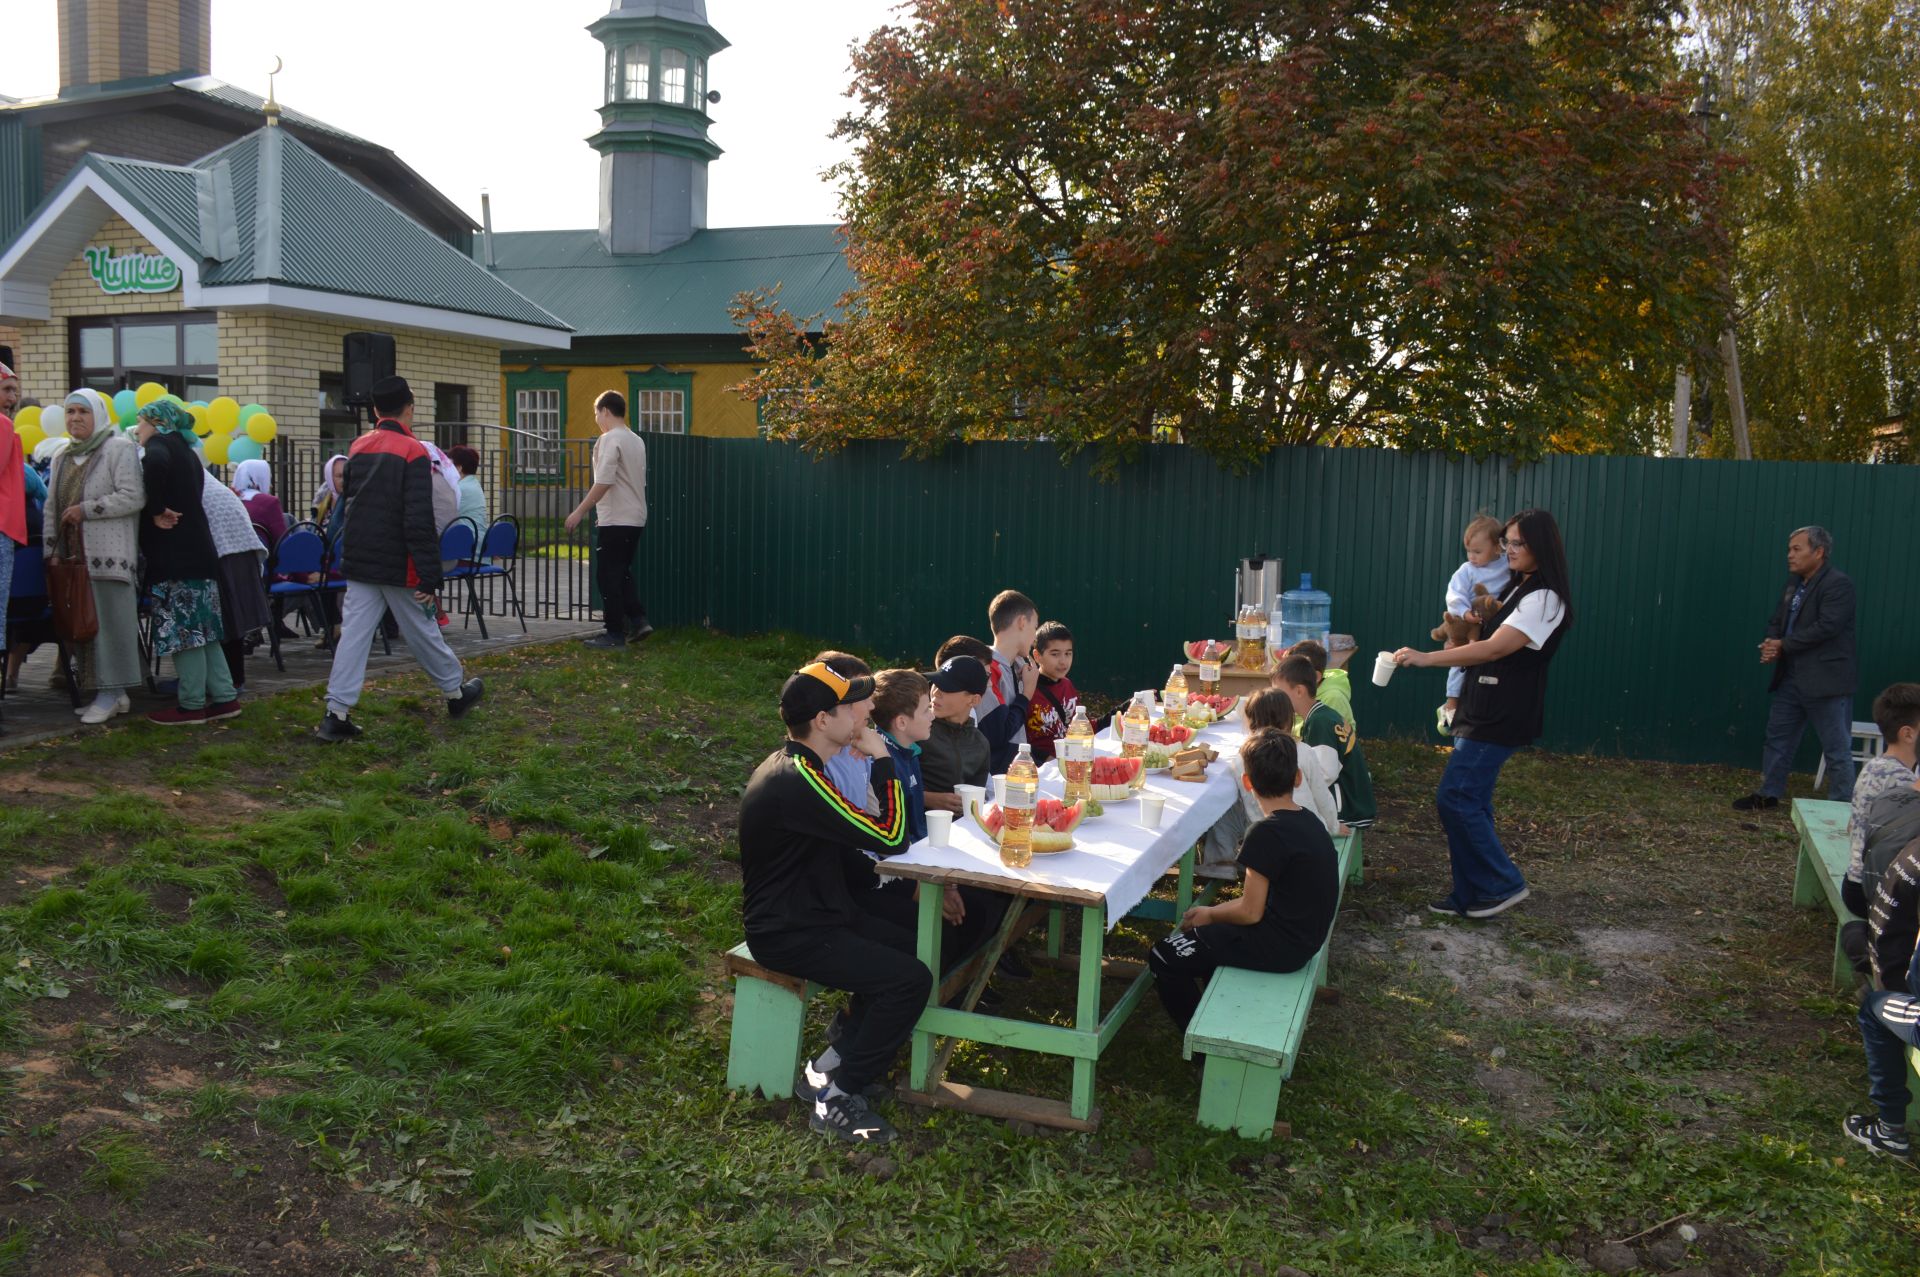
(955, 752)
(804, 870)
(390, 555)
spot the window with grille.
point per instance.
(637, 60)
(661, 412)
(673, 77)
(539, 426)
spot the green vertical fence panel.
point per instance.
(1675, 564)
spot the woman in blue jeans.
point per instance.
(1501, 708)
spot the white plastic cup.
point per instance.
(939, 828)
(969, 795)
(1152, 808)
(1383, 668)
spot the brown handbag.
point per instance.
(70, 592)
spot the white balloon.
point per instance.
(53, 420)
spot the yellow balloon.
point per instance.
(147, 392)
(224, 413)
(28, 417)
(30, 437)
(201, 425)
(261, 427)
(216, 447)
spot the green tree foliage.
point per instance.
(1820, 106)
(1468, 224)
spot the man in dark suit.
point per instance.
(1809, 643)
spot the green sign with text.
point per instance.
(134, 273)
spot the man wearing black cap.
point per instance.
(804, 868)
(390, 555)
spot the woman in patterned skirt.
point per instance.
(182, 568)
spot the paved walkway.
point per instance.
(37, 712)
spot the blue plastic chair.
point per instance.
(301, 552)
(499, 557)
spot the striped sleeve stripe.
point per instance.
(854, 814)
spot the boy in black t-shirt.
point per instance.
(1286, 905)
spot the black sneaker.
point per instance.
(1450, 907)
(470, 694)
(1756, 802)
(1492, 908)
(639, 632)
(333, 730)
(816, 1082)
(604, 640)
(1877, 1135)
(850, 1118)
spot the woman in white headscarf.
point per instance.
(93, 512)
(253, 484)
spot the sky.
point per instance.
(501, 95)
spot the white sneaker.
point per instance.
(105, 707)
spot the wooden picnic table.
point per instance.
(1108, 876)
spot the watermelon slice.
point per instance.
(1115, 778)
(1208, 650)
(1046, 838)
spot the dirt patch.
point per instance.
(1520, 1094)
(90, 1078)
(1484, 966)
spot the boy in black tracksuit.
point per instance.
(804, 869)
(1285, 908)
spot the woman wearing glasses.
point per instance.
(1501, 709)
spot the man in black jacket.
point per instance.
(390, 555)
(805, 868)
(1809, 643)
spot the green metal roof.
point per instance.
(298, 220)
(685, 290)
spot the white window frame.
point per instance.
(660, 411)
(636, 72)
(537, 410)
(673, 76)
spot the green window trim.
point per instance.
(657, 378)
(517, 444)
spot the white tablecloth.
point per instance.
(1112, 854)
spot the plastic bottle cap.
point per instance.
(1306, 580)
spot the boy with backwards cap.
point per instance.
(804, 870)
(957, 752)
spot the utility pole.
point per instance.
(1736, 396)
(1705, 111)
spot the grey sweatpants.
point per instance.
(360, 613)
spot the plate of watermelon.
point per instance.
(1115, 778)
(1204, 710)
(1169, 735)
(1053, 824)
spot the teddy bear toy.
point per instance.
(1456, 631)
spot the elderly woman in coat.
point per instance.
(96, 487)
(182, 568)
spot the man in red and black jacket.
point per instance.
(805, 874)
(390, 555)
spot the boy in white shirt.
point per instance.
(1487, 567)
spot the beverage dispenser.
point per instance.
(1257, 597)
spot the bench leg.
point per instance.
(1843, 972)
(1913, 1085)
(765, 1051)
(1356, 872)
(1807, 891)
(1239, 1097)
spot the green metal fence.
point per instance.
(1676, 564)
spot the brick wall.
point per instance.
(273, 358)
(143, 135)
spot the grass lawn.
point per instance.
(447, 1000)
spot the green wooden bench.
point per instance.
(1820, 868)
(767, 1041)
(1250, 1025)
(1913, 1084)
(769, 1023)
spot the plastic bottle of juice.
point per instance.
(1173, 697)
(1251, 630)
(1209, 666)
(1135, 726)
(1076, 756)
(1022, 793)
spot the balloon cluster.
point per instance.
(216, 423)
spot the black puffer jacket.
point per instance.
(174, 477)
(390, 537)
